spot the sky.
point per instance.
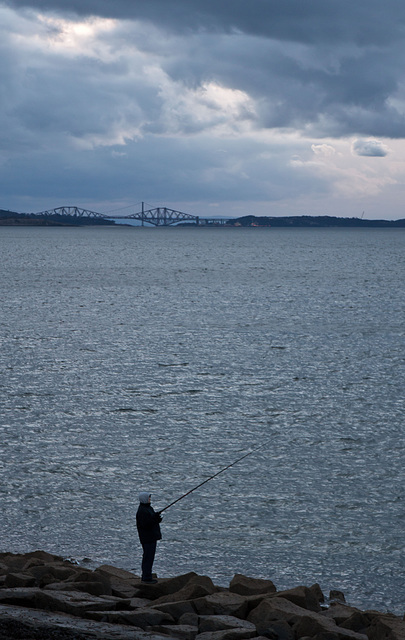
(212, 107)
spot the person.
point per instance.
(147, 523)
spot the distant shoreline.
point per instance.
(13, 219)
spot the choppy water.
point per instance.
(150, 358)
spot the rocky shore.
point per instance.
(45, 597)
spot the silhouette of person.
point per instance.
(147, 523)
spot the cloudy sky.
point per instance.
(213, 107)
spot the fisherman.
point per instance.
(147, 523)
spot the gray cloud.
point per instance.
(369, 148)
(291, 20)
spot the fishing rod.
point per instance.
(214, 476)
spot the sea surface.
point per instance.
(149, 359)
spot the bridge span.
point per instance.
(157, 217)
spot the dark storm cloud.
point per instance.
(306, 21)
(216, 101)
(329, 68)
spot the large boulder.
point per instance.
(302, 596)
(227, 634)
(304, 622)
(141, 618)
(17, 622)
(19, 580)
(16, 562)
(176, 609)
(52, 572)
(313, 626)
(196, 587)
(109, 571)
(246, 586)
(219, 623)
(164, 586)
(222, 603)
(279, 630)
(386, 627)
(94, 588)
(178, 631)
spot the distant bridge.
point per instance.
(158, 217)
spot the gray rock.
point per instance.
(94, 588)
(190, 619)
(280, 630)
(220, 623)
(197, 587)
(319, 625)
(222, 603)
(146, 617)
(336, 595)
(386, 627)
(181, 631)
(301, 596)
(108, 571)
(250, 586)
(176, 609)
(228, 634)
(305, 623)
(165, 586)
(19, 580)
(18, 622)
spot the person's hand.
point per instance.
(159, 517)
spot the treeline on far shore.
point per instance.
(11, 218)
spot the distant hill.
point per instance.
(312, 221)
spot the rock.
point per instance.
(17, 561)
(197, 587)
(19, 580)
(93, 588)
(317, 592)
(320, 626)
(304, 622)
(190, 619)
(228, 634)
(386, 627)
(108, 571)
(274, 609)
(181, 631)
(336, 596)
(164, 586)
(250, 586)
(219, 623)
(137, 603)
(145, 617)
(75, 603)
(280, 630)
(339, 612)
(301, 596)
(222, 603)
(17, 622)
(176, 609)
(45, 573)
(358, 621)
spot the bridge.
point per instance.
(158, 216)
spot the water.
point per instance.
(150, 358)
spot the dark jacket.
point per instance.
(147, 523)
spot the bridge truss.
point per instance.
(162, 217)
(158, 217)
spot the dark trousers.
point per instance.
(149, 550)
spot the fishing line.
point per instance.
(215, 475)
